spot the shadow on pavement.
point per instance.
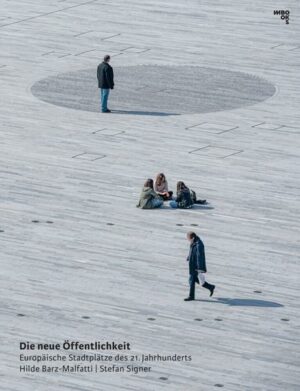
(243, 302)
(132, 112)
(205, 206)
(195, 207)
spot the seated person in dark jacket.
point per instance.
(183, 199)
(149, 199)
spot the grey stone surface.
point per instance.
(103, 268)
(158, 89)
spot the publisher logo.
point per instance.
(284, 15)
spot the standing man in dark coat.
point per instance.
(197, 265)
(105, 76)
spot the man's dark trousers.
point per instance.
(193, 279)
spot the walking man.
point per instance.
(197, 265)
(105, 76)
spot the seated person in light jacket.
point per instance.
(183, 199)
(161, 187)
(149, 199)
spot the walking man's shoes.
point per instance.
(106, 111)
(189, 299)
(210, 287)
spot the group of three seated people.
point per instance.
(155, 193)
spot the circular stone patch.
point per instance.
(157, 90)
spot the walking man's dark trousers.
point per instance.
(193, 279)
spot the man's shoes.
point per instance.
(210, 287)
(189, 299)
(106, 111)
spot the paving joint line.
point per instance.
(48, 13)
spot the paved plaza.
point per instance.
(206, 92)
